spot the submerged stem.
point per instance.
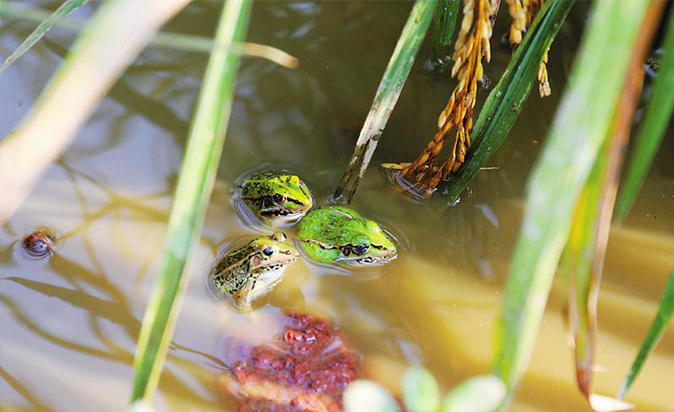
(444, 22)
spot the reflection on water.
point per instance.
(69, 323)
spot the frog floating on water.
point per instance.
(276, 196)
(337, 234)
(252, 270)
(334, 234)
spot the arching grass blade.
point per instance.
(385, 99)
(579, 130)
(197, 174)
(64, 9)
(652, 129)
(178, 41)
(121, 29)
(583, 258)
(662, 318)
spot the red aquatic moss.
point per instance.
(305, 370)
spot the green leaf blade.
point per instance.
(570, 151)
(652, 129)
(194, 187)
(662, 318)
(386, 97)
(505, 101)
(444, 23)
(582, 262)
(64, 9)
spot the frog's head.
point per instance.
(244, 273)
(275, 196)
(268, 257)
(272, 253)
(339, 234)
(368, 244)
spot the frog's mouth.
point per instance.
(384, 257)
(281, 212)
(276, 266)
(369, 260)
(278, 211)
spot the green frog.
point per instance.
(337, 234)
(276, 196)
(252, 270)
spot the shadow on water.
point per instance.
(115, 308)
(138, 103)
(35, 403)
(116, 311)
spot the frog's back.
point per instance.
(231, 272)
(334, 225)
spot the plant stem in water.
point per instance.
(197, 175)
(391, 85)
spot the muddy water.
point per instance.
(68, 325)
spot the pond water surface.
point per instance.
(68, 324)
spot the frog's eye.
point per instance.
(268, 251)
(361, 249)
(277, 198)
(346, 250)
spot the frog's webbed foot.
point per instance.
(241, 300)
